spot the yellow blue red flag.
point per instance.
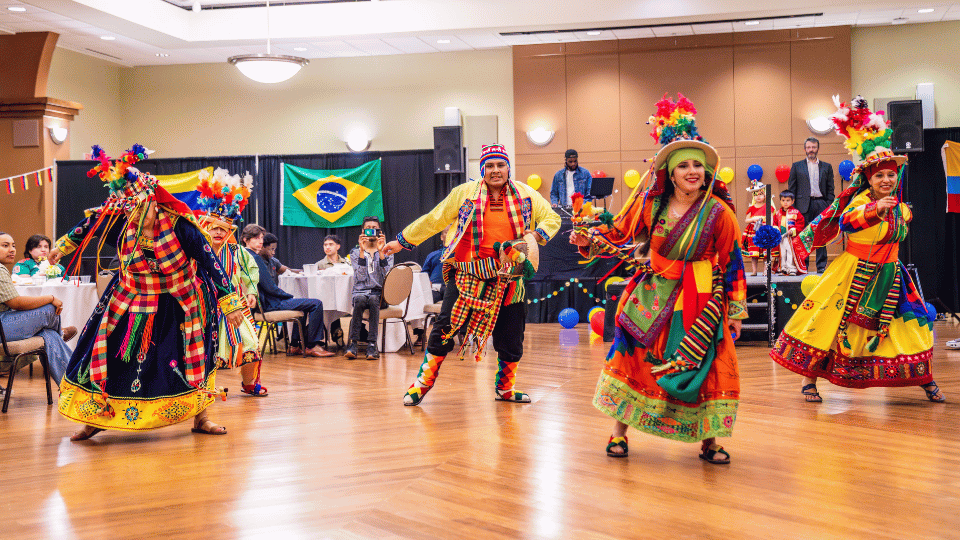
(331, 198)
(183, 186)
(951, 166)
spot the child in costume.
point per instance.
(484, 268)
(221, 200)
(756, 216)
(791, 258)
(146, 358)
(864, 324)
(672, 370)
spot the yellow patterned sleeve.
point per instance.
(65, 245)
(230, 303)
(437, 219)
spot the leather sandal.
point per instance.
(933, 392)
(617, 442)
(209, 427)
(709, 454)
(83, 434)
(810, 394)
(254, 390)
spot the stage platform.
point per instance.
(333, 453)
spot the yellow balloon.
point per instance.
(534, 181)
(725, 175)
(613, 279)
(808, 284)
(631, 178)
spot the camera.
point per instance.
(372, 233)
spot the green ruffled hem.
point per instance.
(662, 418)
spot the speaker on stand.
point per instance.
(449, 156)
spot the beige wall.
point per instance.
(95, 84)
(889, 61)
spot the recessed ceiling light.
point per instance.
(594, 33)
(443, 41)
(752, 23)
(17, 8)
(299, 49)
(162, 55)
(925, 10)
(899, 20)
(107, 38)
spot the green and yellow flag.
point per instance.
(333, 198)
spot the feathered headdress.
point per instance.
(674, 121)
(223, 196)
(126, 183)
(867, 134)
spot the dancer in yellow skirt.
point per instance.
(222, 198)
(865, 323)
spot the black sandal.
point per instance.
(710, 455)
(811, 394)
(933, 392)
(617, 442)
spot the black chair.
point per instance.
(14, 354)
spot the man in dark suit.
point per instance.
(812, 182)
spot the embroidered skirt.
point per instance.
(809, 344)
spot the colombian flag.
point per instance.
(331, 198)
(183, 186)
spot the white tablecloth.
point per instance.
(78, 302)
(335, 291)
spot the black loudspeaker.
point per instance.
(906, 120)
(448, 149)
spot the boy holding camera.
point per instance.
(370, 269)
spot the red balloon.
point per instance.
(599, 174)
(596, 321)
(783, 173)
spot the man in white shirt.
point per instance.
(572, 178)
(812, 182)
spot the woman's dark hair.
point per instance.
(251, 231)
(662, 199)
(269, 239)
(34, 241)
(333, 238)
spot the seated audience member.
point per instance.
(273, 298)
(434, 267)
(331, 250)
(28, 316)
(269, 252)
(36, 251)
(369, 271)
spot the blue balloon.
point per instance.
(931, 312)
(845, 168)
(568, 318)
(755, 172)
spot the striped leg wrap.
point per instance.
(429, 370)
(506, 375)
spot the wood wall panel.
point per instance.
(593, 98)
(643, 81)
(540, 98)
(761, 101)
(813, 82)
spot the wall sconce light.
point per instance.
(357, 142)
(58, 134)
(820, 125)
(540, 136)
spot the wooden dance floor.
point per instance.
(333, 453)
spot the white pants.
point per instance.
(787, 265)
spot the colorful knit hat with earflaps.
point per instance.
(492, 151)
(867, 136)
(222, 197)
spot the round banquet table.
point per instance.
(335, 291)
(78, 302)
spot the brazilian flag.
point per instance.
(332, 198)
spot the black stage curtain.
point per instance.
(932, 243)
(410, 189)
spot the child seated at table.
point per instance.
(36, 251)
(24, 317)
(370, 269)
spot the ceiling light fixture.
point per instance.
(196, 7)
(443, 41)
(540, 136)
(752, 23)
(299, 49)
(820, 125)
(107, 38)
(162, 55)
(18, 9)
(268, 68)
(594, 33)
(925, 10)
